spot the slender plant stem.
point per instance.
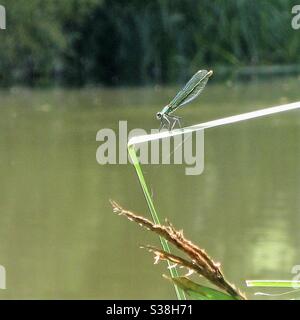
(173, 271)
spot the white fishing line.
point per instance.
(215, 123)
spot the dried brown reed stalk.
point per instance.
(200, 262)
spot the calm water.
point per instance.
(58, 236)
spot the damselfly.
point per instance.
(191, 91)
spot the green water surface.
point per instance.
(58, 235)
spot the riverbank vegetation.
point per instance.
(82, 42)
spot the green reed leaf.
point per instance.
(273, 283)
(198, 291)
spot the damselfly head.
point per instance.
(158, 115)
(210, 73)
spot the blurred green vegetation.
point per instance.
(81, 42)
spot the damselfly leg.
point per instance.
(175, 120)
(170, 121)
(164, 121)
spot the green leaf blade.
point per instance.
(273, 283)
(198, 292)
